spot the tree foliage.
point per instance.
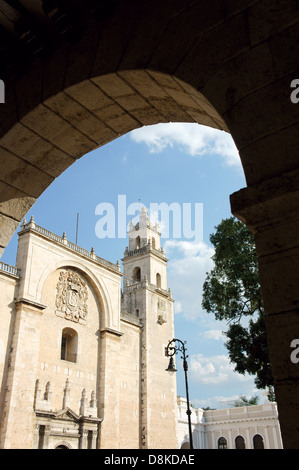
(232, 292)
(243, 401)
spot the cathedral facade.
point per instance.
(82, 357)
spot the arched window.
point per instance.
(158, 280)
(239, 442)
(153, 242)
(222, 443)
(258, 442)
(69, 345)
(136, 274)
(138, 242)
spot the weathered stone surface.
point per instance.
(7, 228)
(14, 203)
(123, 62)
(67, 338)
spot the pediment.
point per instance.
(67, 414)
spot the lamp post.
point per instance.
(172, 348)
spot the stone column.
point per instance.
(271, 211)
(109, 388)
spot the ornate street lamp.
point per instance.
(172, 348)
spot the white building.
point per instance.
(246, 427)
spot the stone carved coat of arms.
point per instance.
(71, 297)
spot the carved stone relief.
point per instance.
(161, 312)
(71, 297)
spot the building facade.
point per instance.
(80, 356)
(244, 427)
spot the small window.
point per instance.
(153, 242)
(69, 345)
(158, 280)
(222, 443)
(138, 242)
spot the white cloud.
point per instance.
(193, 139)
(187, 268)
(213, 334)
(214, 370)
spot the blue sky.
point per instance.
(166, 163)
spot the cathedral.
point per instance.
(83, 353)
(82, 345)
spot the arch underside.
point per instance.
(77, 78)
(83, 77)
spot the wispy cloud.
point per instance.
(213, 370)
(187, 268)
(216, 374)
(193, 139)
(216, 335)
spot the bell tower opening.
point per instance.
(136, 274)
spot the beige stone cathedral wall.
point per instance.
(119, 357)
(147, 269)
(161, 386)
(7, 316)
(84, 372)
(36, 334)
(7, 309)
(130, 376)
(38, 257)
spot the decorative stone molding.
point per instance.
(43, 403)
(71, 297)
(37, 306)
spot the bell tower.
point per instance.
(144, 259)
(146, 296)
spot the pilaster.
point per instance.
(20, 386)
(109, 388)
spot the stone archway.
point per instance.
(76, 78)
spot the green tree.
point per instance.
(232, 292)
(243, 401)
